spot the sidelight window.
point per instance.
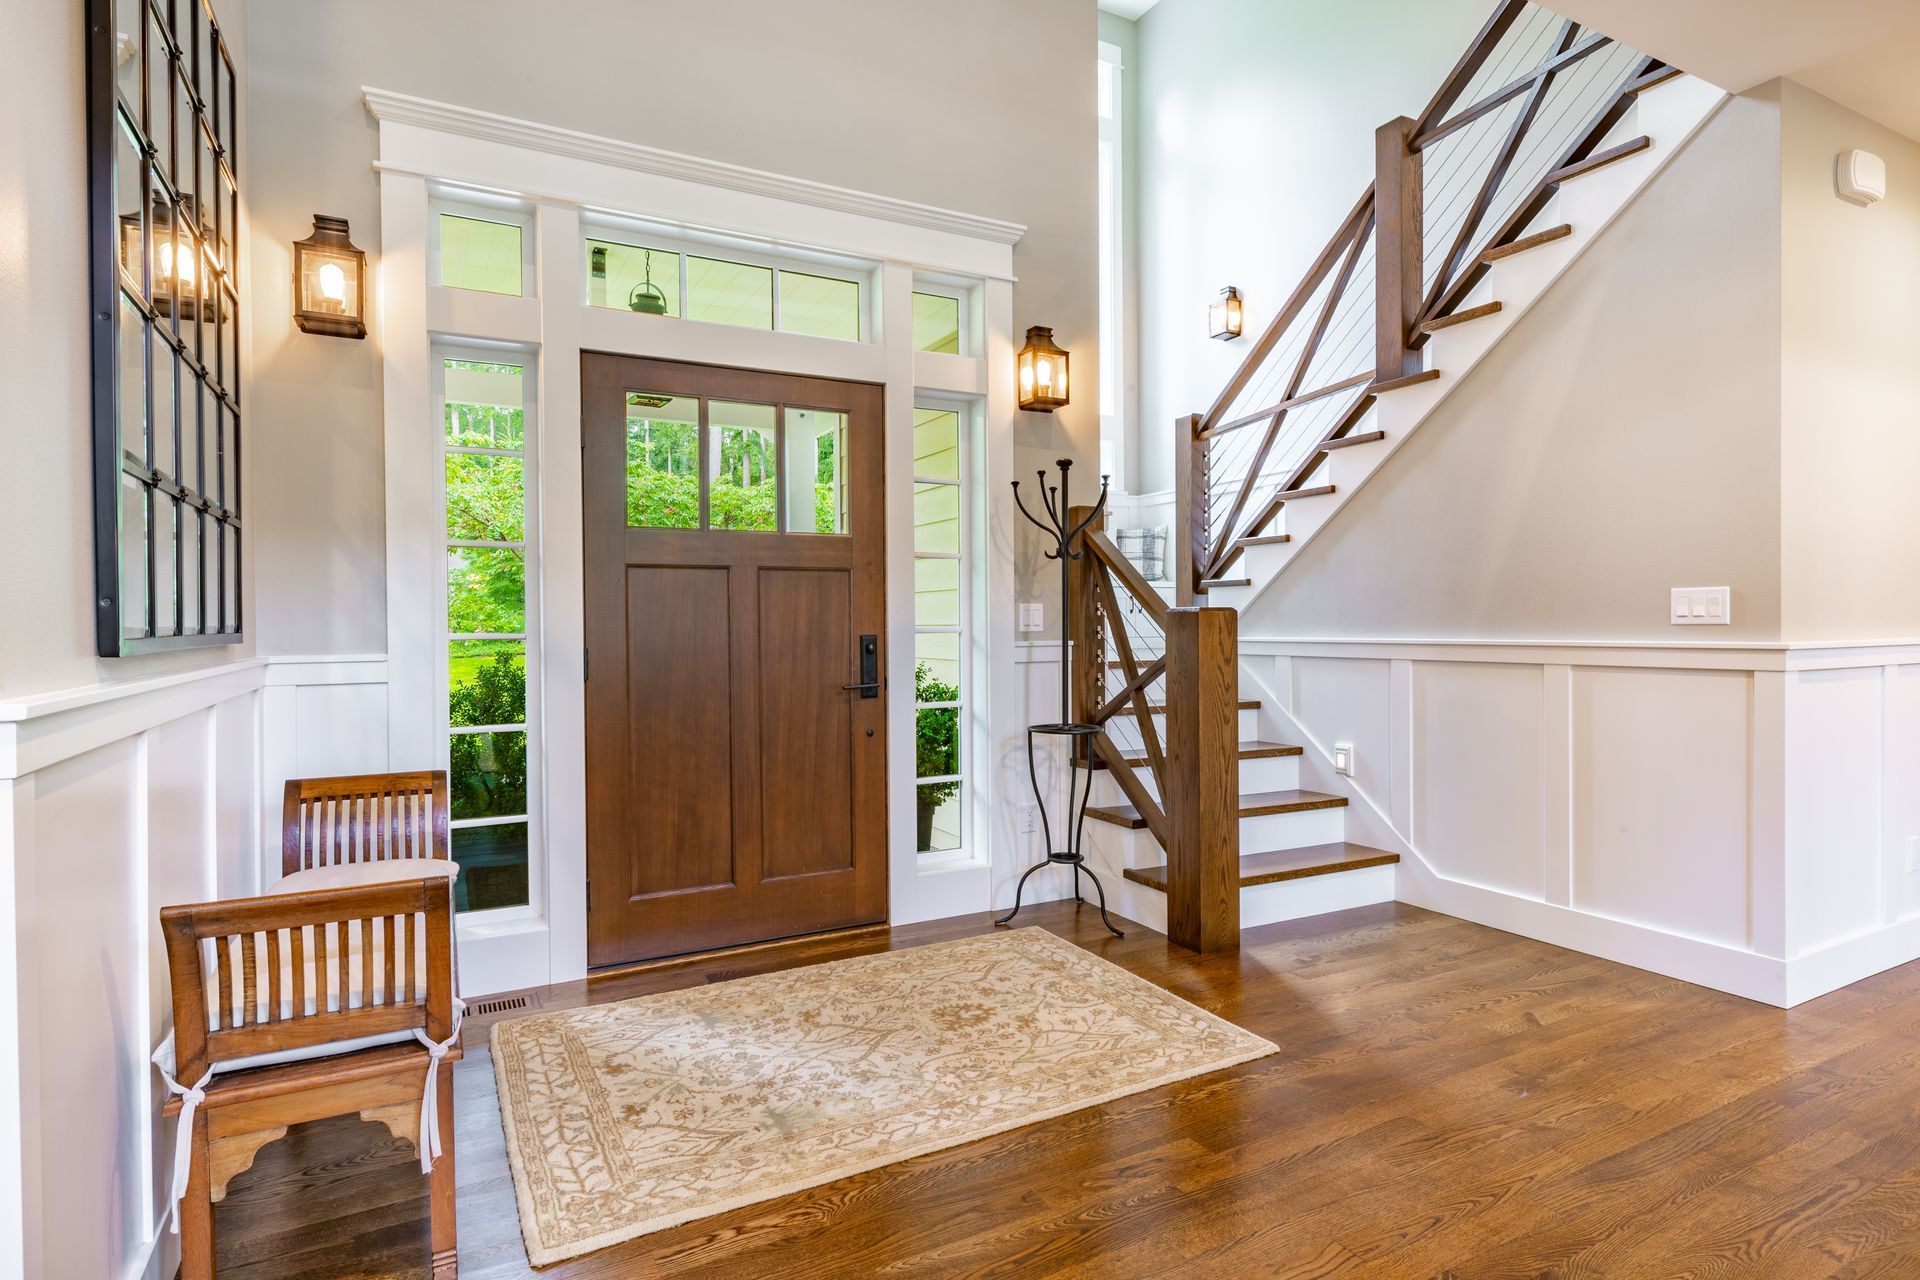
(940, 615)
(485, 447)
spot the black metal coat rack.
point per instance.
(1079, 736)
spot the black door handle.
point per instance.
(869, 686)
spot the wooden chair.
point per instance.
(299, 1006)
(363, 817)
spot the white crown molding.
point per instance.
(388, 107)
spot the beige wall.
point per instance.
(1850, 388)
(1623, 440)
(1255, 128)
(985, 107)
(46, 489)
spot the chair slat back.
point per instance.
(363, 818)
(263, 975)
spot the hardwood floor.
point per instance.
(1449, 1101)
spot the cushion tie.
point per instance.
(191, 1098)
(429, 1143)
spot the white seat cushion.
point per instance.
(349, 875)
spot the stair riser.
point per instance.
(1291, 830)
(1259, 904)
(1265, 773)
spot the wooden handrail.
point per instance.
(1564, 56)
(1291, 402)
(1498, 23)
(1129, 574)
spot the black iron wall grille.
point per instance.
(162, 129)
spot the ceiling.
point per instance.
(1861, 53)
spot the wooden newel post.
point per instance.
(1203, 779)
(1083, 646)
(1190, 552)
(1397, 249)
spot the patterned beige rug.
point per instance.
(627, 1118)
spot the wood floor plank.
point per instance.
(1448, 1099)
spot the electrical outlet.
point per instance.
(1701, 607)
(1343, 760)
(1029, 819)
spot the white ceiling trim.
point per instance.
(389, 107)
(1128, 8)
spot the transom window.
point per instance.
(485, 446)
(694, 463)
(654, 279)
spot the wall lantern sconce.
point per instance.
(1225, 315)
(1043, 372)
(329, 281)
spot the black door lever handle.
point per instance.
(862, 687)
(869, 686)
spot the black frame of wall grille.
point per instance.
(162, 135)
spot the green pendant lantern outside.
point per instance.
(646, 297)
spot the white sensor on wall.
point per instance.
(1861, 177)
(1702, 607)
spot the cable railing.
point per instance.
(1544, 96)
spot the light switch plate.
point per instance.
(1701, 607)
(1343, 760)
(1033, 616)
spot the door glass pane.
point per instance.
(936, 666)
(485, 404)
(663, 461)
(631, 277)
(741, 490)
(820, 305)
(232, 543)
(936, 323)
(486, 497)
(180, 167)
(729, 293)
(190, 563)
(159, 93)
(486, 682)
(479, 254)
(133, 557)
(166, 524)
(816, 477)
(936, 443)
(937, 814)
(487, 774)
(165, 416)
(133, 380)
(189, 431)
(493, 866)
(936, 518)
(126, 51)
(936, 593)
(486, 591)
(130, 205)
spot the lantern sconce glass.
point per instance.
(1225, 316)
(1043, 372)
(329, 281)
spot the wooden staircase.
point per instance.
(1198, 807)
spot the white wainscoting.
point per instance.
(1736, 816)
(115, 801)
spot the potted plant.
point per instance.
(936, 749)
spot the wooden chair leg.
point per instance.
(446, 1261)
(196, 1208)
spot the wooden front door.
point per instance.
(735, 586)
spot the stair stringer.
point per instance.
(1419, 883)
(1670, 114)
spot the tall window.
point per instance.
(940, 584)
(486, 435)
(1112, 276)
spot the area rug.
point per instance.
(627, 1118)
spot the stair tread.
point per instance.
(1245, 704)
(1256, 804)
(1460, 317)
(1285, 864)
(1226, 582)
(1525, 243)
(1251, 749)
(1600, 159)
(1288, 495)
(1265, 540)
(1346, 442)
(1412, 379)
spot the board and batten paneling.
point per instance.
(115, 801)
(1737, 815)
